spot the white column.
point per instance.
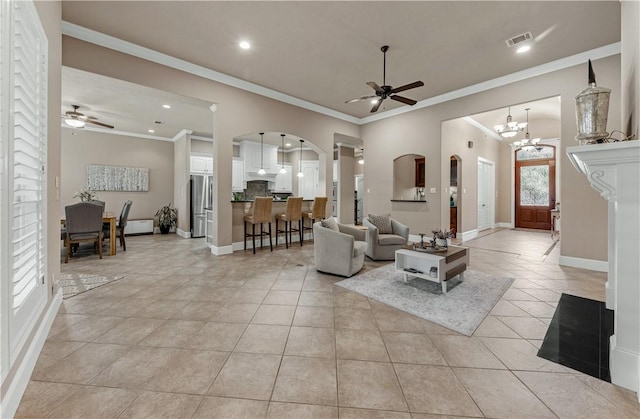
(613, 169)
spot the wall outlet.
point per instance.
(433, 190)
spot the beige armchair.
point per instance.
(339, 251)
(383, 246)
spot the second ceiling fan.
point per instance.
(387, 92)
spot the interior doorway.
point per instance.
(535, 184)
(486, 194)
(455, 167)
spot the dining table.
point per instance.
(110, 219)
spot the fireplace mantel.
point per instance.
(613, 169)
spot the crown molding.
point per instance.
(116, 44)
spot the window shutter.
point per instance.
(24, 111)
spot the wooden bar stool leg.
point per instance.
(245, 235)
(300, 228)
(253, 237)
(277, 231)
(270, 245)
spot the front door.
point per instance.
(535, 187)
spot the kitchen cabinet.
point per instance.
(237, 175)
(335, 170)
(201, 164)
(420, 166)
(284, 181)
(253, 158)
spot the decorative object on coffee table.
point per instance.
(440, 237)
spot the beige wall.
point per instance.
(238, 112)
(455, 137)
(50, 15)
(199, 146)
(420, 132)
(89, 147)
(630, 114)
(181, 172)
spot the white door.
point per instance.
(486, 194)
(309, 183)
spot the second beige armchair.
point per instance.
(382, 245)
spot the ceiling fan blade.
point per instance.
(404, 99)
(94, 122)
(407, 87)
(360, 99)
(376, 106)
(375, 87)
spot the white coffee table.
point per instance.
(447, 264)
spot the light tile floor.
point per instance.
(188, 334)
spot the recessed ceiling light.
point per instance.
(166, 106)
(523, 49)
(288, 144)
(374, 101)
(244, 45)
(151, 131)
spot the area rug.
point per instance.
(74, 284)
(462, 308)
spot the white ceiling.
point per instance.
(325, 52)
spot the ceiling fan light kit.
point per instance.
(387, 92)
(75, 119)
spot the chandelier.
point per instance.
(527, 143)
(511, 129)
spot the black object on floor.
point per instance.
(578, 336)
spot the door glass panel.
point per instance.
(534, 185)
(534, 153)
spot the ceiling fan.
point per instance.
(387, 92)
(76, 119)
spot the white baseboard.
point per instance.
(220, 250)
(591, 264)
(16, 389)
(183, 234)
(624, 366)
(468, 235)
(504, 225)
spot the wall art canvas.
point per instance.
(116, 178)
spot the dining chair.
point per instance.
(84, 224)
(120, 225)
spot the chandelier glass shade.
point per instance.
(511, 128)
(261, 172)
(527, 143)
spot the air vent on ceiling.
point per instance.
(519, 39)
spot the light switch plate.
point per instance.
(432, 190)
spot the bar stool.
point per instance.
(293, 213)
(260, 214)
(318, 212)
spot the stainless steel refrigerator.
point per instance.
(201, 199)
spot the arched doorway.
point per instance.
(535, 183)
(455, 180)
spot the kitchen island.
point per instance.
(242, 207)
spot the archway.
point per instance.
(455, 204)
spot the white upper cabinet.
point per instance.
(201, 164)
(237, 176)
(253, 159)
(284, 181)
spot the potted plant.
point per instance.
(86, 195)
(440, 237)
(167, 217)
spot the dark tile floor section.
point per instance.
(578, 336)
